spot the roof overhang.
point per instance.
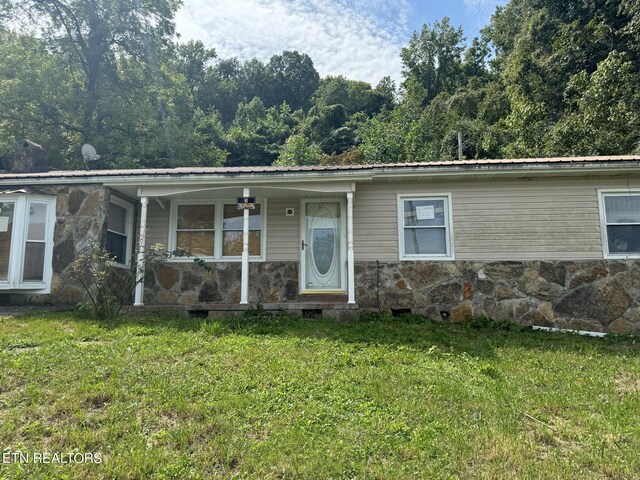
(323, 179)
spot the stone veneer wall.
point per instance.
(81, 213)
(185, 283)
(597, 295)
(600, 295)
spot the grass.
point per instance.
(168, 397)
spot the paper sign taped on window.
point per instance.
(4, 224)
(425, 212)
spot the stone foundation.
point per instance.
(602, 296)
(597, 295)
(186, 283)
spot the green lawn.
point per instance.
(168, 397)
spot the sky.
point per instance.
(360, 39)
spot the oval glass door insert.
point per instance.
(324, 241)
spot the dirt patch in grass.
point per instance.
(97, 401)
(627, 385)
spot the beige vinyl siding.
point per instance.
(282, 231)
(375, 225)
(495, 219)
(517, 219)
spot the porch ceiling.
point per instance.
(186, 191)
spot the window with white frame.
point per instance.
(232, 231)
(620, 214)
(120, 230)
(26, 242)
(424, 226)
(213, 231)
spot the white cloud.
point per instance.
(360, 39)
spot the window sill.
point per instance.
(26, 288)
(613, 256)
(122, 265)
(431, 258)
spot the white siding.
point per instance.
(517, 219)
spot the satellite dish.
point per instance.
(89, 154)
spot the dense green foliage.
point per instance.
(280, 397)
(545, 78)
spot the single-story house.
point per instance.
(547, 241)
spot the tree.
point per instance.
(540, 46)
(354, 96)
(604, 119)
(298, 150)
(37, 99)
(257, 133)
(432, 62)
(91, 34)
(294, 78)
(383, 137)
(193, 60)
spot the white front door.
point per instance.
(321, 264)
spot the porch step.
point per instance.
(322, 298)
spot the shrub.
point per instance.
(107, 286)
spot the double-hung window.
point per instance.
(213, 231)
(424, 227)
(26, 242)
(620, 222)
(119, 231)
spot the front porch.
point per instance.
(296, 243)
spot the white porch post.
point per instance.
(141, 244)
(244, 280)
(351, 284)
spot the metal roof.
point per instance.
(498, 164)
